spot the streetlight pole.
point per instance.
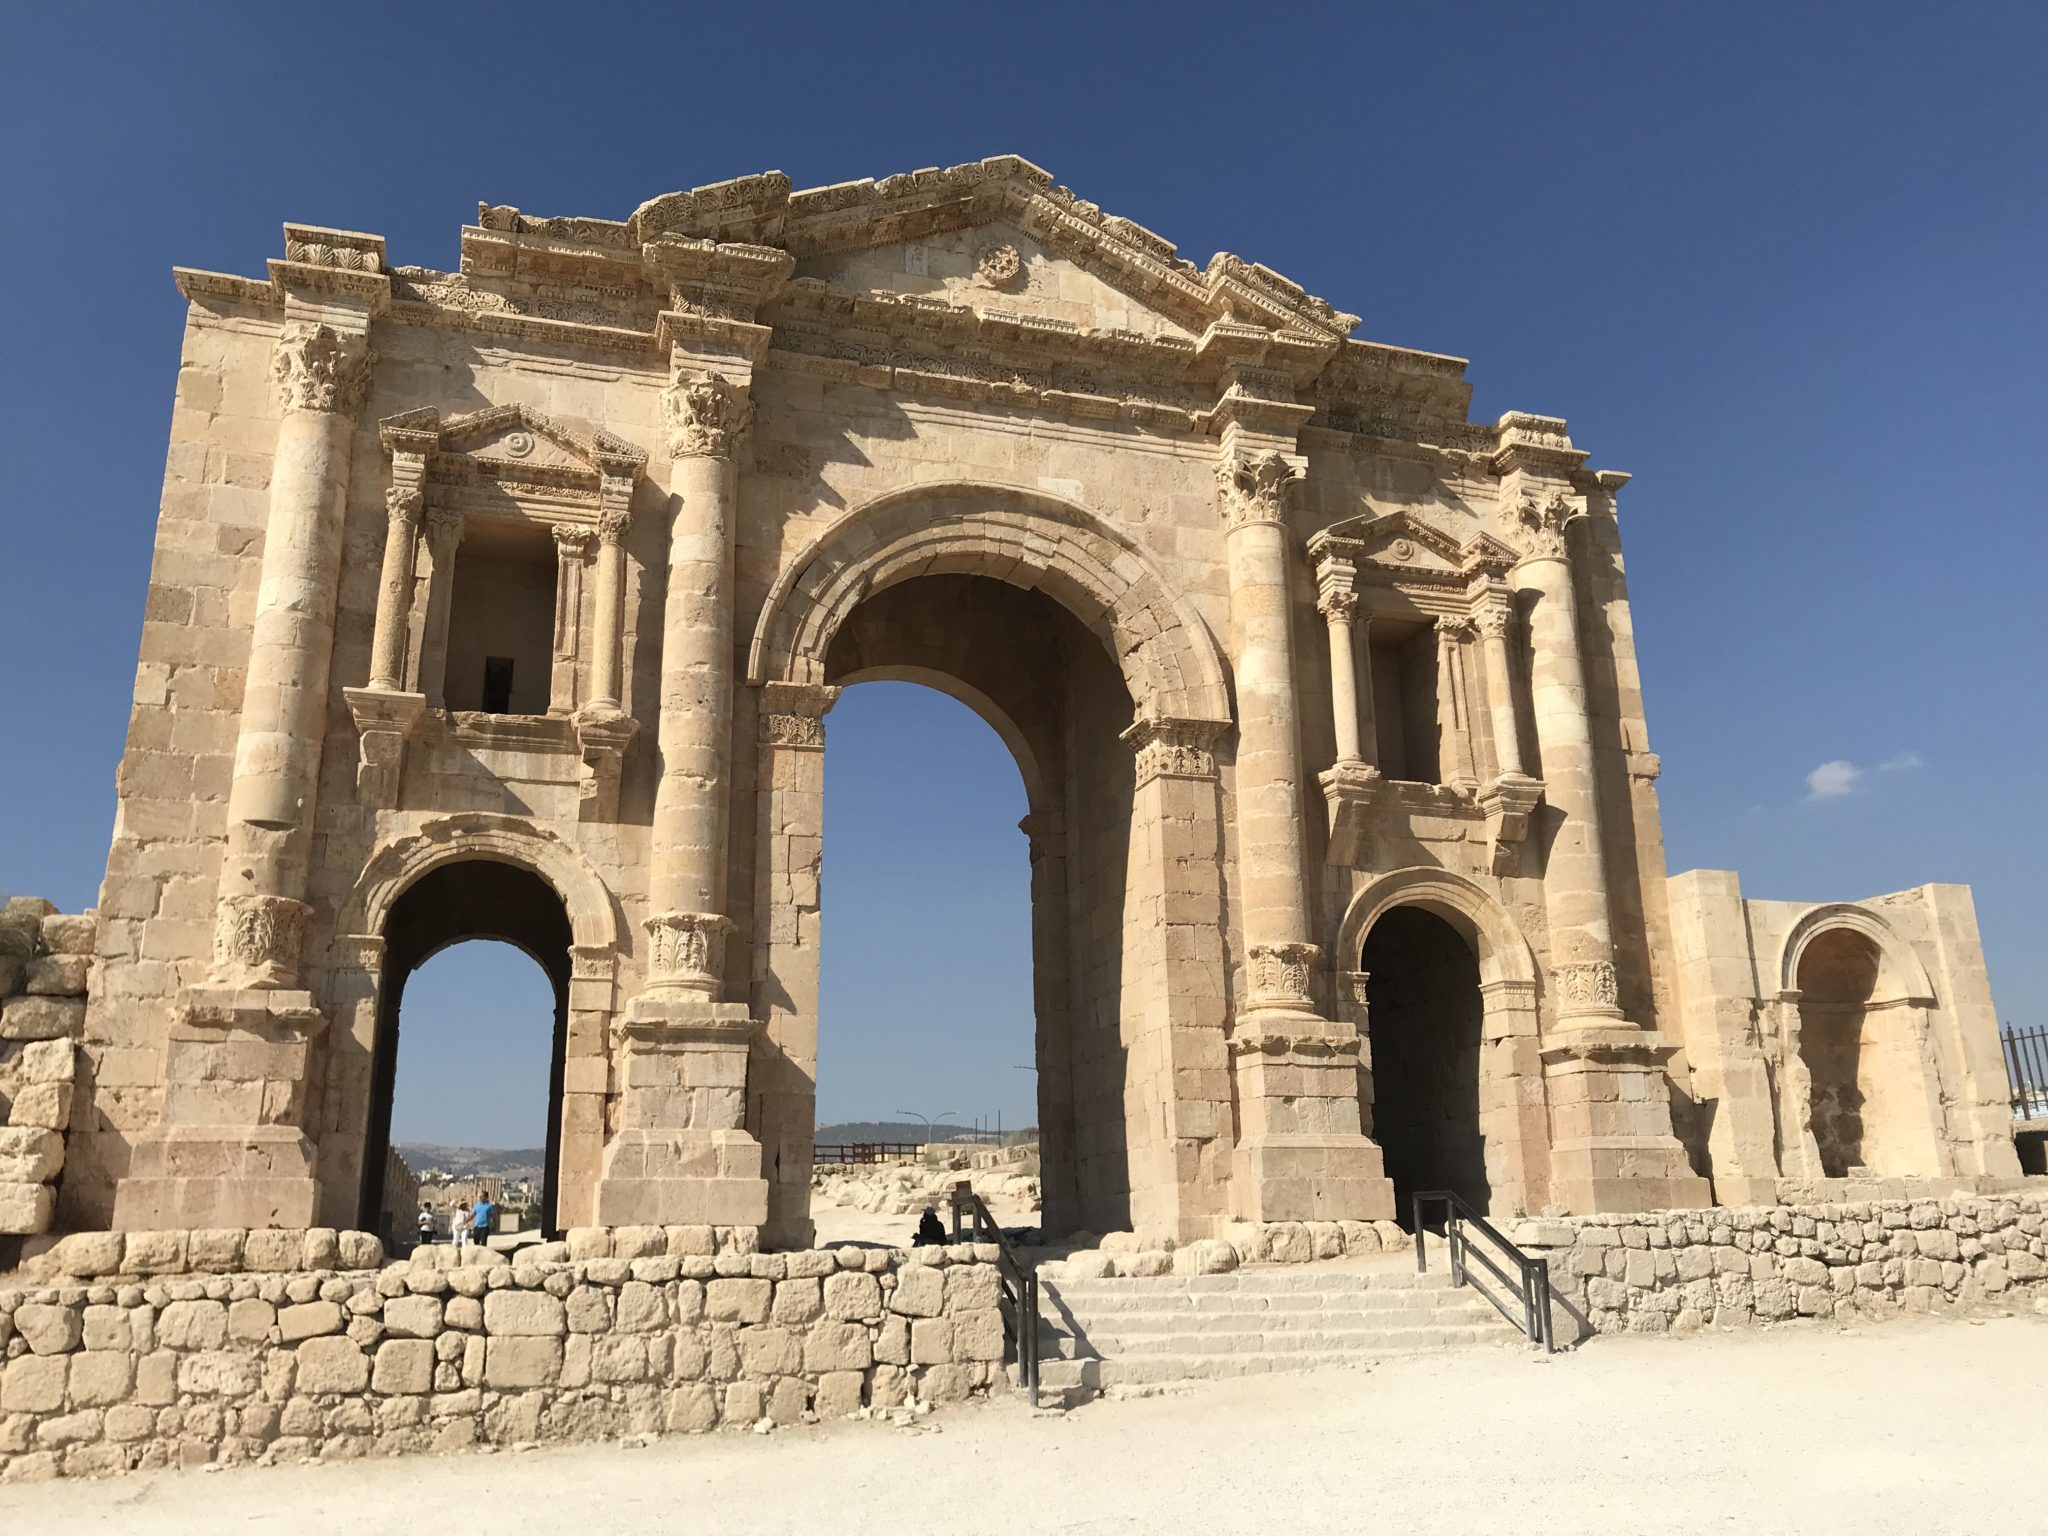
(929, 1120)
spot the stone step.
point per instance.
(1216, 1304)
(1275, 1281)
(1203, 1345)
(1105, 1324)
(1076, 1379)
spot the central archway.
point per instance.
(1060, 633)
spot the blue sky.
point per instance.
(1782, 262)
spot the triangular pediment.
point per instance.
(1399, 540)
(518, 437)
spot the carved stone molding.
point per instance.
(1351, 997)
(317, 368)
(444, 530)
(793, 714)
(613, 523)
(257, 940)
(384, 721)
(1541, 525)
(792, 731)
(1298, 1048)
(1282, 975)
(1508, 803)
(1493, 621)
(1587, 986)
(573, 540)
(686, 951)
(707, 415)
(1174, 748)
(404, 506)
(1334, 603)
(1254, 487)
(1451, 630)
(602, 735)
(1348, 790)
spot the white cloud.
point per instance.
(1899, 762)
(1832, 779)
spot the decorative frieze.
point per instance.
(707, 414)
(317, 368)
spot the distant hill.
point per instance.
(468, 1162)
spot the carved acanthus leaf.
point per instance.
(319, 369)
(707, 414)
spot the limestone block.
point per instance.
(796, 1302)
(413, 1317)
(589, 1309)
(29, 1154)
(931, 1341)
(837, 1347)
(464, 1312)
(920, 1292)
(107, 1327)
(892, 1344)
(737, 1301)
(308, 1321)
(26, 1208)
(359, 1250)
(42, 1104)
(217, 1372)
(270, 1252)
(87, 1254)
(971, 1287)
(744, 1403)
(529, 1314)
(194, 1325)
(403, 1365)
(251, 1319)
(788, 1401)
(838, 1395)
(42, 1018)
(851, 1297)
(57, 975)
(45, 1061)
(217, 1250)
(34, 1384)
(49, 1329)
(690, 1410)
(153, 1253)
(641, 1308)
(619, 1358)
(769, 1351)
(70, 933)
(946, 1384)
(977, 1335)
(100, 1378)
(321, 1249)
(516, 1361)
(332, 1364)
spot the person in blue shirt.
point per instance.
(481, 1220)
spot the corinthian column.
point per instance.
(1303, 1154)
(1575, 868)
(707, 415)
(603, 729)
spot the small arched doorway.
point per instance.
(467, 899)
(1424, 1013)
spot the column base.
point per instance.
(1612, 1146)
(1303, 1155)
(195, 1176)
(1332, 1177)
(682, 1179)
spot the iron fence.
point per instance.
(2026, 1069)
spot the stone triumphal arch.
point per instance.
(512, 602)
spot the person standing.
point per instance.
(458, 1226)
(426, 1226)
(485, 1211)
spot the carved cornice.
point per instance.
(317, 368)
(707, 414)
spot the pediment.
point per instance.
(1403, 546)
(514, 442)
(995, 267)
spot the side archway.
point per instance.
(1171, 663)
(1437, 939)
(1901, 976)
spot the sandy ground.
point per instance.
(846, 1224)
(1903, 1427)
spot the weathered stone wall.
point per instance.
(45, 960)
(1680, 1270)
(119, 1372)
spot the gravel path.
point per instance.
(1906, 1427)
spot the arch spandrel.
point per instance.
(400, 860)
(1504, 954)
(1171, 664)
(1901, 976)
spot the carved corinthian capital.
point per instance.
(257, 940)
(686, 950)
(707, 414)
(404, 506)
(317, 368)
(1542, 525)
(1281, 975)
(1253, 487)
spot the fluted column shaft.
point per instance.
(1574, 870)
(1269, 770)
(707, 415)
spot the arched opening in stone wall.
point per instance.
(470, 899)
(1424, 1012)
(1857, 1046)
(1049, 689)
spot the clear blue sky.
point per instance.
(1783, 262)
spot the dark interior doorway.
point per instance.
(473, 899)
(1424, 1011)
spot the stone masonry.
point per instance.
(510, 602)
(45, 965)
(122, 1367)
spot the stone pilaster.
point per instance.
(1454, 713)
(603, 728)
(1352, 782)
(444, 536)
(384, 712)
(572, 558)
(1511, 795)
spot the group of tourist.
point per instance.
(466, 1223)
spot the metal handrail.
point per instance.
(1018, 1274)
(2026, 1071)
(1532, 1280)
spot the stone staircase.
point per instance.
(1095, 1334)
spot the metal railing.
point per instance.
(2026, 1070)
(836, 1153)
(1529, 1286)
(1019, 1277)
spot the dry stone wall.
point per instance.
(1676, 1271)
(119, 1372)
(45, 962)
